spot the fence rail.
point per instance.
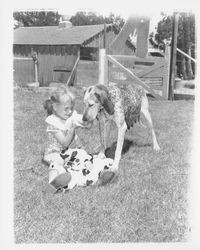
(186, 55)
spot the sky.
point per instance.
(123, 8)
(155, 17)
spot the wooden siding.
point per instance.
(25, 50)
(49, 57)
(47, 63)
(23, 71)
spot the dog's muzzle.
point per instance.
(85, 118)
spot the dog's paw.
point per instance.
(114, 167)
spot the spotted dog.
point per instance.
(123, 104)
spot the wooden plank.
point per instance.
(24, 58)
(186, 55)
(117, 45)
(155, 74)
(146, 69)
(103, 67)
(166, 78)
(46, 68)
(46, 63)
(115, 73)
(134, 77)
(150, 69)
(173, 56)
(134, 58)
(74, 69)
(153, 81)
(142, 37)
(104, 36)
(23, 71)
(155, 87)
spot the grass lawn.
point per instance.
(146, 203)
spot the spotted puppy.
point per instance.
(121, 103)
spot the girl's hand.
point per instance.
(78, 121)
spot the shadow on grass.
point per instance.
(110, 151)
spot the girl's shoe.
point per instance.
(106, 177)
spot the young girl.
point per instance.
(61, 121)
(69, 165)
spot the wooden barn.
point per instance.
(57, 48)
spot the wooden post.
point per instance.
(103, 62)
(35, 62)
(73, 72)
(166, 72)
(103, 67)
(36, 71)
(104, 37)
(173, 56)
(142, 37)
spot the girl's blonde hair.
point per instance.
(55, 97)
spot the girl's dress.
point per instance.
(84, 168)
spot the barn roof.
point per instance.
(55, 35)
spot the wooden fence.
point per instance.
(151, 73)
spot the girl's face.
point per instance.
(64, 108)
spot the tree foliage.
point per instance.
(186, 30)
(50, 18)
(91, 18)
(36, 18)
(185, 40)
(164, 30)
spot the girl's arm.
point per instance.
(65, 140)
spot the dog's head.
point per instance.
(96, 97)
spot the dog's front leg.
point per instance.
(120, 141)
(101, 134)
(107, 124)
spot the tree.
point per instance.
(164, 30)
(50, 18)
(117, 20)
(185, 40)
(92, 18)
(36, 18)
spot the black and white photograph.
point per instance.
(103, 103)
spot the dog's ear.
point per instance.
(101, 93)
